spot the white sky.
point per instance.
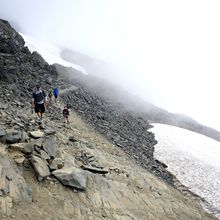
(169, 51)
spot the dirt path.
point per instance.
(127, 192)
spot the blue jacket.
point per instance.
(55, 91)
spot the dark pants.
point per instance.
(39, 108)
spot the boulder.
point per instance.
(50, 146)
(40, 166)
(13, 137)
(73, 177)
(12, 182)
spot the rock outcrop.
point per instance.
(20, 69)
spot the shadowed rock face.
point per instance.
(11, 41)
(18, 66)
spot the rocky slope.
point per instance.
(83, 170)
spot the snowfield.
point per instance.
(49, 52)
(193, 158)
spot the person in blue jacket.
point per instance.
(55, 93)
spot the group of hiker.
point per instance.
(40, 101)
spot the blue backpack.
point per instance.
(55, 91)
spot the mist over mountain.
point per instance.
(108, 85)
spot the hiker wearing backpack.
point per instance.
(66, 113)
(39, 101)
(55, 93)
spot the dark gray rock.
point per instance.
(12, 182)
(13, 137)
(40, 166)
(73, 177)
(95, 169)
(2, 131)
(49, 80)
(50, 146)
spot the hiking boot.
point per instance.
(38, 120)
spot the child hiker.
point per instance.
(66, 114)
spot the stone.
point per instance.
(6, 205)
(95, 169)
(72, 177)
(49, 80)
(12, 182)
(50, 146)
(73, 139)
(26, 148)
(69, 160)
(38, 142)
(40, 166)
(56, 164)
(2, 131)
(19, 159)
(37, 134)
(13, 137)
(49, 131)
(44, 155)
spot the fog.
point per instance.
(168, 51)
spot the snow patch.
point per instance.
(49, 52)
(193, 158)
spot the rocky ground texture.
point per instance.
(88, 169)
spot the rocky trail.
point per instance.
(100, 166)
(99, 181)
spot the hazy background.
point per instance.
(168, 51)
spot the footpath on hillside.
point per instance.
(58, 171)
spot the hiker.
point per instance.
(39, 101)
(66, 114)
(55, 93)
(50, 94)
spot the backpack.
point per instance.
(65, 111)
(39, 96)
(55, 91)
